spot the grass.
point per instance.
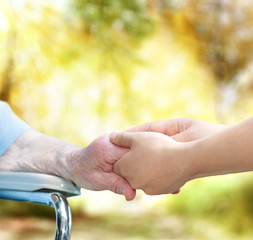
(115, 226)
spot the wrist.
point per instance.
(196, 160)
(206, 159)
(188, 154)
(37, 152)
(69, 157)
(227, 151)
(184, 160)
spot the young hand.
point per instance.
(155, 163)
(181, 129)
(158, 165)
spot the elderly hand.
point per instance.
(90, 167)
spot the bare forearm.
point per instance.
(37, 152)
(89, 167)
(229, 151)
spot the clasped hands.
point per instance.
(160, 159)
(156, 157)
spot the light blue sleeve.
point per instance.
(11, 127)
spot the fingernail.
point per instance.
(113, 135)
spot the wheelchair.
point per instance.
(42, 189)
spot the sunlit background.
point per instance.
(76, 69)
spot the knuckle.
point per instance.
(116, 168)
(115, 187)
(122, 171)
(150, 191)
(135, 183)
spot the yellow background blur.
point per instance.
(77, 69)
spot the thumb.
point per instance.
(123, 139)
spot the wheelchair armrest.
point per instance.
(42, 189)
(37, 182)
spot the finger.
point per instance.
(116, 152)
(181, 137)
(120, 186)
(122, 139)
(120, 166)
(185, 136)
(168, 127)
(116, 168)
(130, 193)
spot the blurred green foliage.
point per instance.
(112, 32)
(23, 209)
(222, 201)
(111, 21)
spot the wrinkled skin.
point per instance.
(89, 167)
(93, 168)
